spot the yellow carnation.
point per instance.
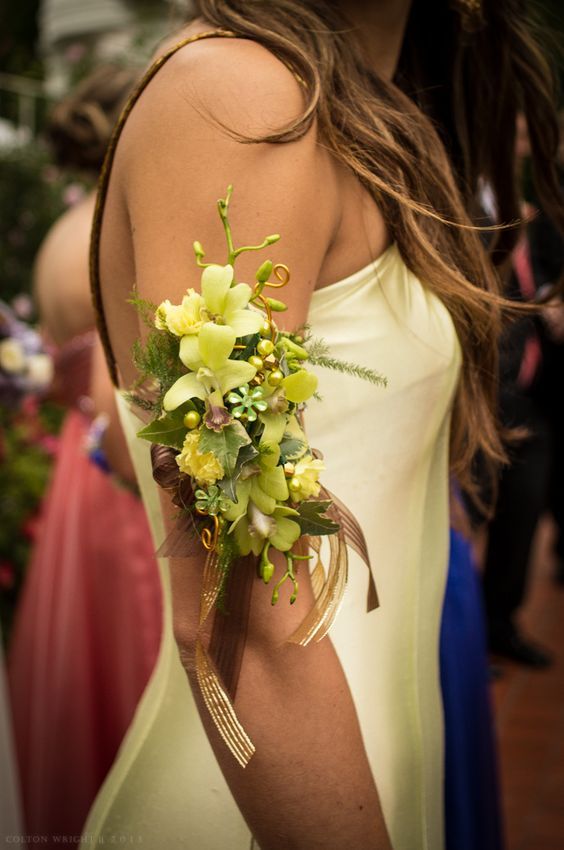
(182, 319)
(204, 468)
(305, 480)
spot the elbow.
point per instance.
(185, 633)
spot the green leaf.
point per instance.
(227, 486)
(291, 448)
(224, 444)
(312, 521)
(169, 430)
(247, 454)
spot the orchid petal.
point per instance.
(287, 532)
(233, 374)
(190, 352)
(246, 542)
(262, 500)
(182, 390)
(273, 482)
(216, 344)
(215, 284)
(236, 509)
(244, 322)
(275, 424)
(299, 386)
(237, 298)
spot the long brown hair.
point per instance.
(450, 111)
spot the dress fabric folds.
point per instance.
(87, 631)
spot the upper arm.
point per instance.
(176, 161)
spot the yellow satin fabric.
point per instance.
(386, 453)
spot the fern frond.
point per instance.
(318, 351)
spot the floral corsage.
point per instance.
(225, 389)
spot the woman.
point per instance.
(352, 173)
(88, 627)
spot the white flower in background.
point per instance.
(12, 356)
(39, 370)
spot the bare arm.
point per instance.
(309, 784)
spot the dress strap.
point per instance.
(104, 181)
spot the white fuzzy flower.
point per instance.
(40, 370)
(12, 356)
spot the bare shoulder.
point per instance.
(225, 82)
(66, 245)
(61, 281)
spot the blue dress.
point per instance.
(472, 809)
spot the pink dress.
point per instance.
(88, 627)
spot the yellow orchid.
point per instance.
(212, 373)
(229, 304)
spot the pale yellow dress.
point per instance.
(386, 453)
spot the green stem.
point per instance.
(223, 207)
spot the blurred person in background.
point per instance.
(524, 482)
(547, 257)
(88, 627)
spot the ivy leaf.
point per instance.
(227, 487)
(291, 448)
(246, 455)
(168, 430)
(311, 519)
(224, 444)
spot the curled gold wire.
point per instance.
(267, 308)
(282, 273)
(208, 537)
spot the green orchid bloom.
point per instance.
(227, 303)
(212, 373)
(254, 526)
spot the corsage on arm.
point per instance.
(225, 389)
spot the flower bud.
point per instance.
(276, 306)
(264, 271)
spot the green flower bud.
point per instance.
(198, 249)
(264, 271)
(270, 240)
(295, 350)
(276, 306)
